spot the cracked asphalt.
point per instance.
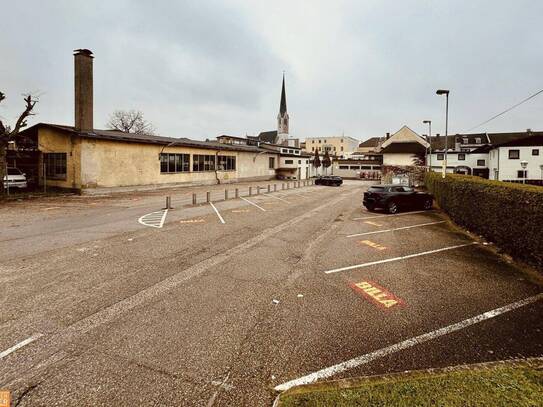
(200, 313)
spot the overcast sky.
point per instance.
(199, 69)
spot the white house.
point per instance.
(403, 148)
(505, 160)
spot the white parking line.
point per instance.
(408, 343)
(409, 256)
(154, 219)
(392, 230)
(389, 216)
(252, 203)
(20, 345)
(217, 212)
(276, 197)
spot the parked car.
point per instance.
(396, 197)
(15, 178)
(329, 180)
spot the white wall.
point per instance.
(398, 159)
(453, 161)
(507, 168)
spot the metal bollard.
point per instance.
(258, 190)
(288, 185)
(237, 193)
(274, 187)
(194, 199)
(168, 202)
(208, 197)
(250, 191)
(226, 195)
(269, 188)
(282, 185)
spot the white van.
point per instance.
(15, 179)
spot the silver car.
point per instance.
(15, 178)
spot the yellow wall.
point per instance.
(52, 141)
(114, 164)
(349, 145)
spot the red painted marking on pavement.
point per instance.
(377, 294)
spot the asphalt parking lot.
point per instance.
(291, 287)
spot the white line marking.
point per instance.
(217, 212)
(276, 197)
(252, 203)
(154, 219)
(389, 216)
(20, 345)
(408, 343)
(398, 258)
(392, 230)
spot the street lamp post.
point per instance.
(429, 122)
(446, 93)
(541, 168)
(524, 164)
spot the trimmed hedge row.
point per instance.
(509, 215)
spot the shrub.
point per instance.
(509, 215)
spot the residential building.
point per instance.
(505, 160)
(403, 148)
(339, 146)
(371, 145)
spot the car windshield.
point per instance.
(408, 189)
(13, 171)
(376, 189)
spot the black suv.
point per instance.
(329, 180)
(396, 197)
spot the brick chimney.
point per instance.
(83, 89)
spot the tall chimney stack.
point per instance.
(83, 89)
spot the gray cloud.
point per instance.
(202, 68)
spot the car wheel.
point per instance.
(427, 205)
(370, 208)
(392, 207)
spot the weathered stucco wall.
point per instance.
(115, 164)
(51, 141)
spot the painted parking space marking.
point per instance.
(240, 210)
(408, 343)
(377, 294)
(217, 212)
(369, 222)
(409, 256)
(394, 229)
(252, 203)
(154, 219)
(390, 216)
(19, 345)
(276, 197)
(192, 221)
(374, 245)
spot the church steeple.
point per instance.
(282, 117)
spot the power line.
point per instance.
(507, 110)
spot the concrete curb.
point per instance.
(536, 362)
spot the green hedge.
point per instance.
(509, 215)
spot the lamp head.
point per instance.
(427, 121)
(442, 92)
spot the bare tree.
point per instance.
(8, 134)
(130, 121)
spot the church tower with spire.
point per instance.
(282, 117)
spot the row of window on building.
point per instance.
(326, 148)
(319, 141)
(513, 155)
(173, 162)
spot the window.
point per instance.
(481, 163)
(312, 141)
(355, 167)
(464, 141)
(226, 163)
(477, 140)
(312, 148)
(299, 161)
(535, 151)
(514, 154)
(284, 150)
(440, 157)
(522, 174)
(365, 167)
(289, 162)
(341, 148)
(272, 163)
(319, 141)
(203, 162)
(291, 151)
(341, 141)
(343, 167)
(461, 157)
(325, 140)
(170, 163)
(55, 165)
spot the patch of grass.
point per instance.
(501, 385)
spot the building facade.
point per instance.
(337, 146)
